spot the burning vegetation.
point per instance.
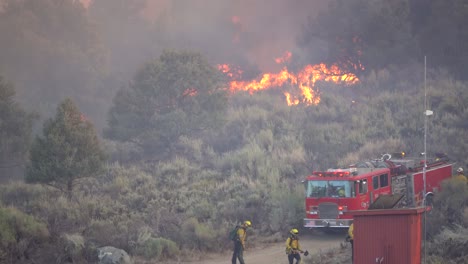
(297, 87)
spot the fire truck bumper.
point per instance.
(317, 223)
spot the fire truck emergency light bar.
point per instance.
(335, 172)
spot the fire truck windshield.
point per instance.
(339, 189)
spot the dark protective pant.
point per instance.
(296, 256)
(352, 250)
(238, 253)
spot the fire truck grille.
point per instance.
(328, 211)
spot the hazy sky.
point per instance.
(260, 29)
(256, 30)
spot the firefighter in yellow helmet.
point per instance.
(293, 248)
(461, 176)
(239, 242)
(341, 192)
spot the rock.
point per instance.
(112, 255)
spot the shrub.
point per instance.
(449, 207)
(287, 208)
(23, 196)
(155, 248)
(20, 234)
(120, 232)
(449, 246)
(72, 248)
(199, 236)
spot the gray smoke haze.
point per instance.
(237, 31)
(56, 49)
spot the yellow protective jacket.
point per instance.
(242, 235)
(351, 231)
(292, 243)
(461, 178)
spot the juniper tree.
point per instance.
(15, 128)
(68, 150)
(178, 94)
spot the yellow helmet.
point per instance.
(294, 231)
(248, 223)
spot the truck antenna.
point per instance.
(427, 113)
(425, 133)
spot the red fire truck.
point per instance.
(331, 193)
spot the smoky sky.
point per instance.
(234, 31)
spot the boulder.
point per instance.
(112, 255)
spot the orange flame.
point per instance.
(285, 59)
(230, 71)
(304, 80)
(190, 92)
(290, 101)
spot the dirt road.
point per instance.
(274, 253)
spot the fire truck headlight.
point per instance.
(313, 210)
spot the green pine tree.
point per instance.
(15, 130)
(69, 150)
(176, 95)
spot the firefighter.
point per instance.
(341, 192)
(293, 248)
(239, 242)
(350, 239)
(461, 176)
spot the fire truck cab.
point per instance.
(331, 193)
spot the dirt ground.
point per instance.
(274, 253)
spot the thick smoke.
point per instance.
(237, 31)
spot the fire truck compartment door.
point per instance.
(386, 201)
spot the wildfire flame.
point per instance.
(190, 92)
(305, 80)
(285, 59)
(230, 71)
